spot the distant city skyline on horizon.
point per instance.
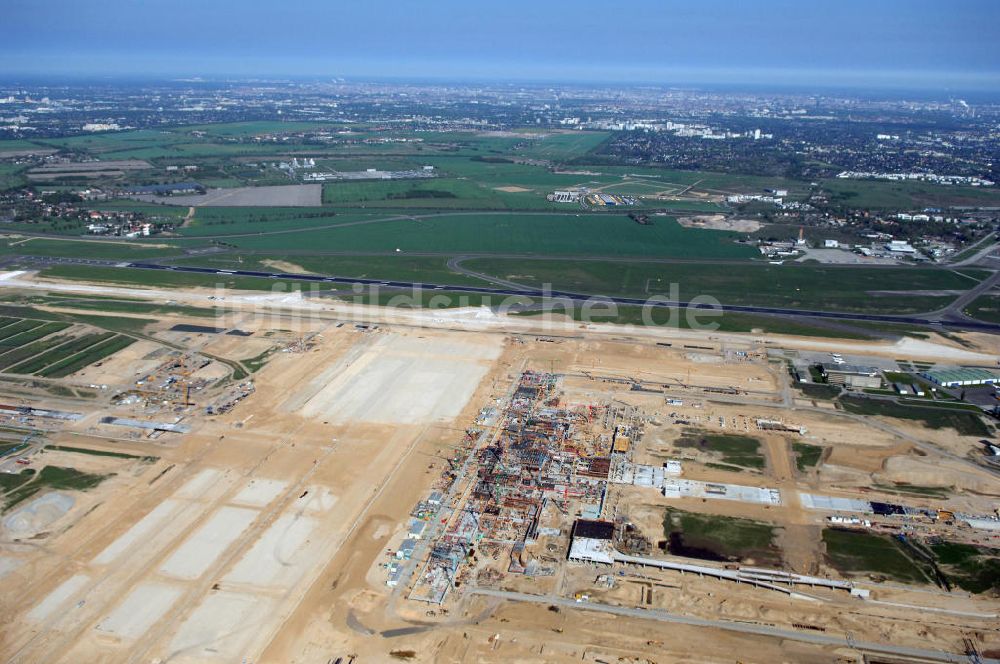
(893, 44)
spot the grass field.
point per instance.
(96, 249)
(254, 128)
(964, 423)
(853, 552)
(559, 146)
(818, 390)
(437, 193)
(422, 269)
(906, 195)
(223, 221)
(38, 349)
(985, 308)
(712, 537)
(54, 478)
(792, 286)
(11, 175)
(731, 449)
(972, 568)
(807, 456)
(907, 489)
(102, 453)
(14, 327)
(10, 482)
(123, 306)
(16, 145)
(163, 279)
(553, 234)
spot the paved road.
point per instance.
(762, 630)
(978, 326)
(989, 246)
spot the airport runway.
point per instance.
(976, 326)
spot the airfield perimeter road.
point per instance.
(746, 628)
(975, 326)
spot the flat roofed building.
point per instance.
(591, 542)
(962, 376)
(851, 375)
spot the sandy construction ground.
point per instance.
(719, 222)
(263, 534)
(401, 380)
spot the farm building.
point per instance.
(851, 375)
(962, 376)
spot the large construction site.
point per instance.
(321, 482)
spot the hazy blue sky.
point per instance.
(904, 43)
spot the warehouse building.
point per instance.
(962, 376)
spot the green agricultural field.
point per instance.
(18, 355)
(60, 353)
(12, 329)
(552, 234)
(85, 358)
(731, 449)
(37, 330)
(792, 286)
(854, 552)
(712, 537)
